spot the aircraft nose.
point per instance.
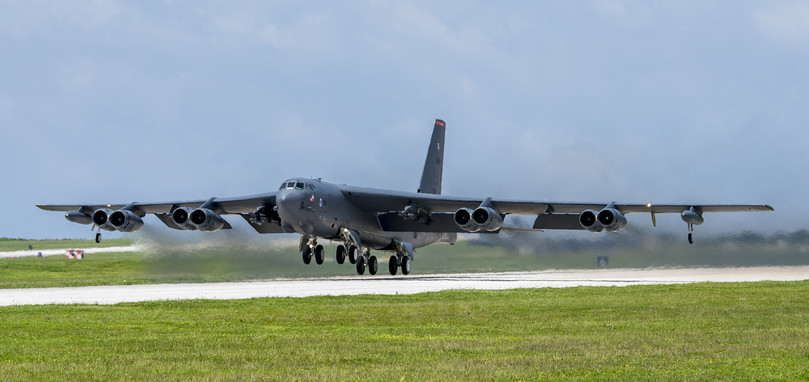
(287, 200)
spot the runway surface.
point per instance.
(51, 252)
(357, 285)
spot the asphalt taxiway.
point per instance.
(357, 285)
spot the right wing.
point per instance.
(246, 206)
(390, 206)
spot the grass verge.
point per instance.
(709, 331)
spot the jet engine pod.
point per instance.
(588, 221)
(612, 220)
(463, 218)
(101, 219)
(487, 219)
(125, 221)
(206, 220)
(181, 216)
(78, 217)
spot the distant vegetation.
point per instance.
(639, 248)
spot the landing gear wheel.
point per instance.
(373, 266)
(98, 237)
(341, 254)
(405, 265)
(306, 253)
(361, 265)
(319, 254)
(393, 266)
(690, 238)
(352, 254)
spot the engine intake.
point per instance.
(101, 219)
(463, 218)
(181, 216)
(125, 221)
(206, 220)
(487, 219)
(589, 221)
(612, 220)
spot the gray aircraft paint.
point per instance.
(434, 163)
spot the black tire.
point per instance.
(393, 266)
(373, 266)
(405, 265)
(98, 237)
(352, 254)
(306, 253)
(690, 238)
(360, 265)
(341, 254)
(319, 254)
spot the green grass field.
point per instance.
(738, 331)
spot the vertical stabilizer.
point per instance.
(434, 164)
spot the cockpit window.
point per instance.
(299, 186)
(283, 186)
(290, 184)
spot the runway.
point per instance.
(51, 252)
(388, 285)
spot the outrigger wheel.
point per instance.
(98, 237)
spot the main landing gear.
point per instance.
(369, 262)
(311, 249)
(399, 261)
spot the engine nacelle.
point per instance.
(487, 219)
(612, 220)
(101, 219)
(182, 218)
(125, 221)
(78, 217)
(206, 220)
(692, 216)
(463, 218)
(589, 221)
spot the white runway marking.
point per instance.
(393, 284)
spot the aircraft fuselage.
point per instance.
(319, 209)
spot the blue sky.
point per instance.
(681, 101)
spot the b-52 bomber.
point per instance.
(362, 219)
